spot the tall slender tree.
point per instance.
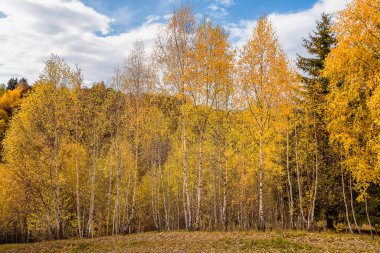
(263, 68)
(172, 47)
(316, 87)
(209, 74)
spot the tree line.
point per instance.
(200, 136)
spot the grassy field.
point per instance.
(251, 241)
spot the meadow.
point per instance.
(197, 241)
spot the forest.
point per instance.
(199, 135)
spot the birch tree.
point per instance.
(261, 67)
(209, 75)
(172, 47)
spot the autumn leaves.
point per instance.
(200, 135)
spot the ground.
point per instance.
(250, 241)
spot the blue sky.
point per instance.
(129, 13)
(98, 34)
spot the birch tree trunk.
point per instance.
(166, 211)
(133, 208)
(92, 194)
(224, 211)
(199, 182)
(300, 198)
(291, 203)
(311, 212)
(367, 214)
(116, 213)
(109, 195)
(57, 186)
(154, 213)
(126, 200)
(352, 206)
(261, 204)
(344, 196)
(215, 195)
(80, 233)
(187, 208)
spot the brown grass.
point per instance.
(180, 241)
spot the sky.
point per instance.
(98, 34)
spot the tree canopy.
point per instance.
(200, 135)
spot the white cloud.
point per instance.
(214, 7)
(33, 29)
(225, 2)
(218, 8)
(123, 15)
(290, 27)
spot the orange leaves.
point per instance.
(172, 47)
(264, 74)
(209, 74)
(9, 102)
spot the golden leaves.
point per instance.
(353, 68)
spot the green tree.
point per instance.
(12, 83)
(316, 88)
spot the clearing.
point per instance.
(236, 241)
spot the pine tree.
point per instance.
(316, 87)
(12, 83)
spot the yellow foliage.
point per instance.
(354, 102)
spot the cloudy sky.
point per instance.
(98, 34)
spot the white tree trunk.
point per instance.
(312, 208)
(291, 203)
(261, 204)
(300, 197)
(187, 209)
(92, 194)
(352, 207)
(344, 197)
(80, 233)
(199, 182)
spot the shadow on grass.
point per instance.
(273, 243)
(81, 247)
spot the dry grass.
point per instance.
(180, 241)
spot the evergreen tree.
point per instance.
(12, 83)
(321, 157)
(318, 45)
